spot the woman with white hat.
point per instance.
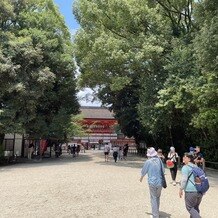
(173, 157)
(154, 168)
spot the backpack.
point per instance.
(201, 181)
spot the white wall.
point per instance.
(17, 143)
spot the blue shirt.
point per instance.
(188, 186)
(152, 167)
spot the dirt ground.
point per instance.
(87, 187)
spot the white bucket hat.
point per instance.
(151, 152)
(172, 149)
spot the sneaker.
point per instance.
(174, 183)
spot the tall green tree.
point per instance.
(189, 94)
(153, 64)
(38, 95)
(206, 52)
(115, 48)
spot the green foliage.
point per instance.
(114, 48)
(38, 91)
(76, 128)
(155, 64)
(206, 91)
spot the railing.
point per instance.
(211, 164)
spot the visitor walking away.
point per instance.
(125, 151)
(115, 153)
(30, 149)
(120, 153)
(173, 156)
(73, 149)
(192, 196)
(153, 167)
(78, 149)
(57, 149)
(106, 152)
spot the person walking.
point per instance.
(199, 158)
(106, 151)
(120, 153)
(30, 149)
(160, 155)
(191, 150)
(192, 197)
(78, 149)
(153, 167)
(73, 150)
(125, 151)
(115, 153)
(173, 156)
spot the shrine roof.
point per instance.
(96, 112)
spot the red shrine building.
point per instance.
(99, 124)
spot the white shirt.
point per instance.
(173, 156)
(115, 149)
(106, 148)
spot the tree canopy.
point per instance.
(155, 65)
(37, 70)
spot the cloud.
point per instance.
(87, 98)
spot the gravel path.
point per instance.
(88, 187)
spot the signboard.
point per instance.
(99, 126)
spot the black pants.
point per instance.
(115, 154)
(173, 172)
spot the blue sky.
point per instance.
(65, 8)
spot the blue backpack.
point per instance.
(201, 181)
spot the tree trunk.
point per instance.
(170, 134)
(2, 136)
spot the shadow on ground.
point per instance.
(62, 160)
(133, 161)
(162, 214)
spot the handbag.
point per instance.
(170, 164)
(164, 182)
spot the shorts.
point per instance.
(106, 153)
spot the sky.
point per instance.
(65, 8)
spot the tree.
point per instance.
(114, 48)
(153, 64)
(206, 51)
(190, 89)
(37, 69)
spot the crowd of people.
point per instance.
(74, 149)
(118, 152)
(154, 168)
